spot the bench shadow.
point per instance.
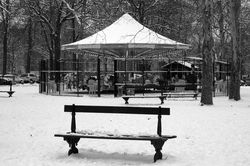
(149, 104)
(180, 99)
(95, 155)
(4, 97)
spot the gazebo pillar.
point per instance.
(77, 72)
(98, 77)
(115, 79)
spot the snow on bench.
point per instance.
(10, 92)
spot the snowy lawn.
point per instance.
(206, 135)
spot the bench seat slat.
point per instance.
(113, 109)
(119, 137)
(180, 94)
(145, 96)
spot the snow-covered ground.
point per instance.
(215, 135)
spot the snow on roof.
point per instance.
(184, 63)
(126, 32)
(200, 59)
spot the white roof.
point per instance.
(200, 59)
(184, 63)
(187, 64)
(126, 32)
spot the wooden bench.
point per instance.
(175, 95)
(156, 140)
(10, 92)
(130, 88)
(162, 97)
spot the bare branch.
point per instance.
(72, 11)
(152, 5)
(40, 14)
(3, 8)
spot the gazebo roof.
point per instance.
(183, 63)
(125, 33)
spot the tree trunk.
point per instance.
(51, 56)
(57, 42)
(5, 48)
(141, 11)
(49, 44)
(236, 58)
(74, 39)
(221, 27)
(5, 36)
(207, 53)
(29, 46)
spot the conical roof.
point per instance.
(126, 32)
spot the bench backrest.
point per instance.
(116, 110)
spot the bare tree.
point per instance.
(30, 43)
(236, 59)
(5, 15)
(59, 12)
(207, 53)
(221, 28)
(141, 7)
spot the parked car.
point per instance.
(4, 81)
(19, 80)
(242, 83)
(13, 78)
(9, 77)
(247, 82)
(29, 78)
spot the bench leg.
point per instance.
(126, 100)
(72, 144)
(162, 99)
(10, 94)
(158, 144)
(73, 149)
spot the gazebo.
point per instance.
(125, 39)
(121, 36)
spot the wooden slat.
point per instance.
(165, 94)
(117, 109)
(145, 96)
(121, 137)
(180, 94)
